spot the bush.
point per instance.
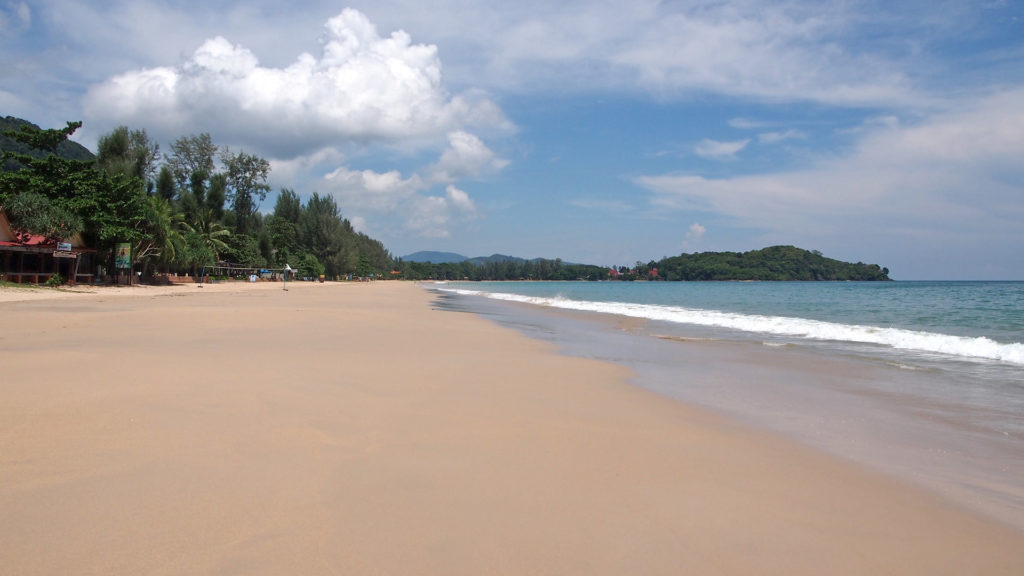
(55, 281)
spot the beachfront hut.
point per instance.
(33, 259)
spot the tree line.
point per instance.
(510, 269)
(195, 207)
(775, 263)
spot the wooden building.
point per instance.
(30, 259)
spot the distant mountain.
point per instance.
(453, 258)
(435, 257)
(496, 259)
(66, 149)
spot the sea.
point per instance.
(919, 380)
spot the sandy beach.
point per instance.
(354, 429)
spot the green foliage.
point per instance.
(324, 234)
(109, 207)
(244, 250)
(216, 195)
(192, 155)
(773, 263)
(34, 213)
(173, 214)
(65, 149)
(246, 182)
(54, 281)
(502, 268)
(310, 267)
(165, 186)
(128, 152)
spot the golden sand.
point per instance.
(353, 429)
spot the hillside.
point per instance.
(773, 263)
(66, 149)
(434, 257)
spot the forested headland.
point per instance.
(774, 263)
(200, 204)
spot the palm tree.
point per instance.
(161, 235)
(203, 241)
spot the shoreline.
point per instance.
(864, 409)
(354, 428)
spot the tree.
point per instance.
(246, 180)
(109, 206)
(33, 213)
(203, 242)
(162, 233)
(310, 267)
(216, 194)
(165, 186)
(325, 235)
(128, 152)
(192, 155)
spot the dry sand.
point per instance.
(352, 429)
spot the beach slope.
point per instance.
(354, 429)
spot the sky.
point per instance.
(597, 132)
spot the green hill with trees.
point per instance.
(773, 263)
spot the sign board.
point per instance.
(123, 256)
(64, 246)
(63, 254)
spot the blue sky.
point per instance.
(598, 132)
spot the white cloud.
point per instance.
(956, 177)
(776, 137)
(717, 150)
(359, 224)
(695, 233)
(748, 124)
(801, 51)
(363, 88)
(459, 200)
(365, 193)
(369, 190)
(466, 156)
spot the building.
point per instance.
(30, 259)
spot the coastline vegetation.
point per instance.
(200, 205)
(776, 263)
(195, 207)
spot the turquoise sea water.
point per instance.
(921, 379)
(980, 321)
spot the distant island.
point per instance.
(775, 263)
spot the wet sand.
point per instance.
(353, 429)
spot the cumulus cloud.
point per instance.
(366, 193)
(459, 200)
(363, 87)
(466, 156)
(717, 150)
(369, 190)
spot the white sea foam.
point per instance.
(901, 339)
